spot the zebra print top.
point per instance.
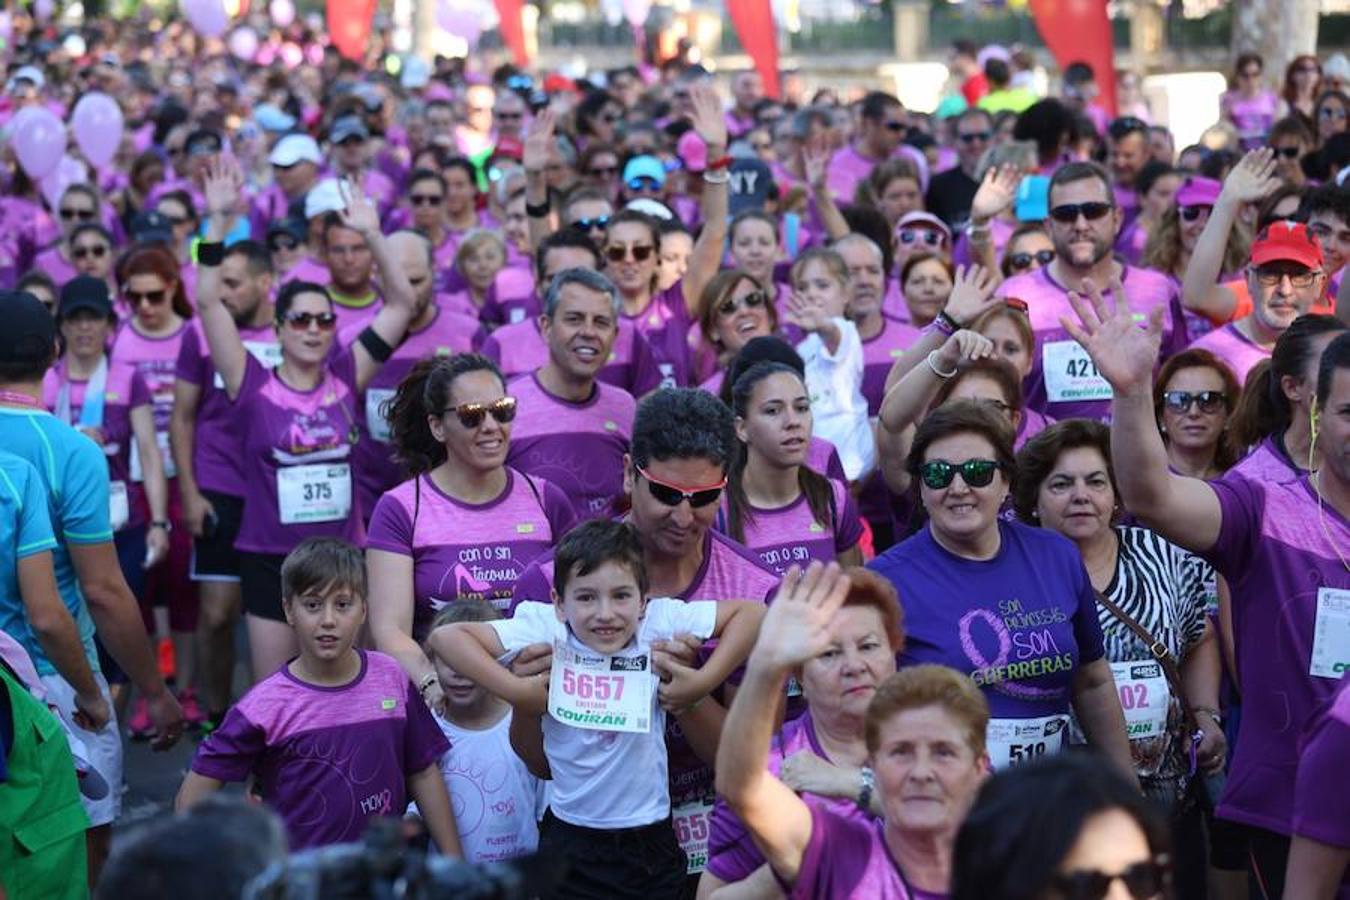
(1163, 588)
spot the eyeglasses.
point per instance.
(1144, 880)
(644, 184)
(471, 415)
(619, 252)
(282, 244)
(595, 223)
(603, 171)
(1272, 277)
(425, 199)
(1068, 213)
(1250, 73)
(1021, 261)
(136, 298)
(673, 494)
(1331, 112)
(1308, 68)
(98, 251)
(974, 136)
(977, 473)
(897, 127)
(761, 146)
(84, 215)
(917, 235)
(1180, 402)
(752, 300)
(300, 321)
(1287, 152)
(510, 116)
(1192, 213)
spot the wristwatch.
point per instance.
(161, 523)
(868, 782)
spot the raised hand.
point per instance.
(539, 141)
(799, 625)
(963, 346)
(359, 213)
(996, 193)
(816, 157)
(1123, 353)
(808, 315)
(223, 186)
(707, 118)
(1253, 178)
(972, 294)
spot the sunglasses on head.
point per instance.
(1192, 213)
(84, 215)
(673, 494)
(977, 473)
(1068, 213)
(1180, 401)
(1143, 881)
(425, 199)
(644, 184)
(595, 223)
(973, 136)
(300, 321)
(917, 235)
(1020, 261)
(98, 251)
(752, 300)
(1286, 152)
(471, 415)
(619, 252)
(154, 298)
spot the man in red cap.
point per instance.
(1285, 278)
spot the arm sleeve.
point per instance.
(1240, 502)
(191, 366)
(390, 527)
(531, 623)
(35, 522)
(84, 496)
(1319, 796)
(232, 751)
(848, 521)
(671, 617)
(558, 510)
(140, 391)
(732, 854)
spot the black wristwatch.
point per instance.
(161, 523)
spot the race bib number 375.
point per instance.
(321, 492)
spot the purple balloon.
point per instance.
(97, 123)
(636, 11)
(460, 19)
(39, 140)
(68, 171)
(207, 16)
(244, 43)
(283, 12)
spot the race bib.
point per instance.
(1070, 374)
(376, 424)
(321, 492)
(599, 692)
(1013, 741)
(1331, 633)
(165, 454)
(692, 822)
(1145, 696)
(266, 352)
(119, 506)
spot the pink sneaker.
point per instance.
(192, 710)
(139, 725)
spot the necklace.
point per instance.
(20, 399)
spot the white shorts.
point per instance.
(104, 747)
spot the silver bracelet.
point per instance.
(936, 371)
(709, 176)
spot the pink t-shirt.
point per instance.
(792, 535)
(328, 760)
(577, 446)
(880, 353)
(156, 359)
(307, 268)
(1233, 347)
(55, 265)
(520, 348)
(847, 859)
(463, 551)
(1252, 116)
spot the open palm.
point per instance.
(1123, 353)
(996, 193)
(800, 623)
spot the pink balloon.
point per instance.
(207, 17)
(460, 19)
(44, 10)
(244, 43)
(635, 11)
(68, 171)
(6, 26)
(97, 123)
(283, 12)
(39, 140)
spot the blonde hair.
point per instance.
(474, 241)
(916, 687)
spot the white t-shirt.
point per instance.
(497, 802)
(838, 407)
(609, 779)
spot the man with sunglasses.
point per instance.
(674, 475)
(1083, 224)
(296, 161)
(950, 193)
(882, 127)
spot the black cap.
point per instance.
(152, 227)
(765, 348)
(85, 292)
(200, 138)
(29, 335)
(294, 227)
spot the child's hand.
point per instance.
(682, 649)
(681, 686)
(536, 659)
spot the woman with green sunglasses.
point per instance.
(1007, 604)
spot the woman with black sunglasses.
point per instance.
(80, 206)
(733, 310)
(297, 421)
(465, 525)
(1194, 396)
(1006, 603)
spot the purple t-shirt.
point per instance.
(791, 535)
(511, 298)
(577, 446)
(847, 859)
(879, 354)
(463, 551)
(848, 167)
(665, 324)
(732, 854)
(373, 463)
(123, 390)
(1279, 552)
(1252, 116)
(1233, 347)
(519, 348)
(1032, 424)
(304, 440)
(327, 759)
(1268, 461)
(155, 358)
(1322, 793)
(1063, 382)
(215, 454)
(1019, 624)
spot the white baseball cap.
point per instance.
(326, 196)
(294, 148)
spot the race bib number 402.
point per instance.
(1144, 696)
(599, 692)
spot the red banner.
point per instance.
(753, 20)
(513, 30)
(1080, 31)
(349, 26)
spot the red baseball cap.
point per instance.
(1287, 241)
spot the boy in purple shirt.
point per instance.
(337, 736)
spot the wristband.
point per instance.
(161, 523)
(719, 176)
(538, 210)
(946, 319)
(210, 253)
(868, 784)
(936, 371)
(723, 163)
(375, 345)
(942, 326)
(427, 681)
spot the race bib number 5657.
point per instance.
(599, 692)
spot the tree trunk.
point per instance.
(1277, 29)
